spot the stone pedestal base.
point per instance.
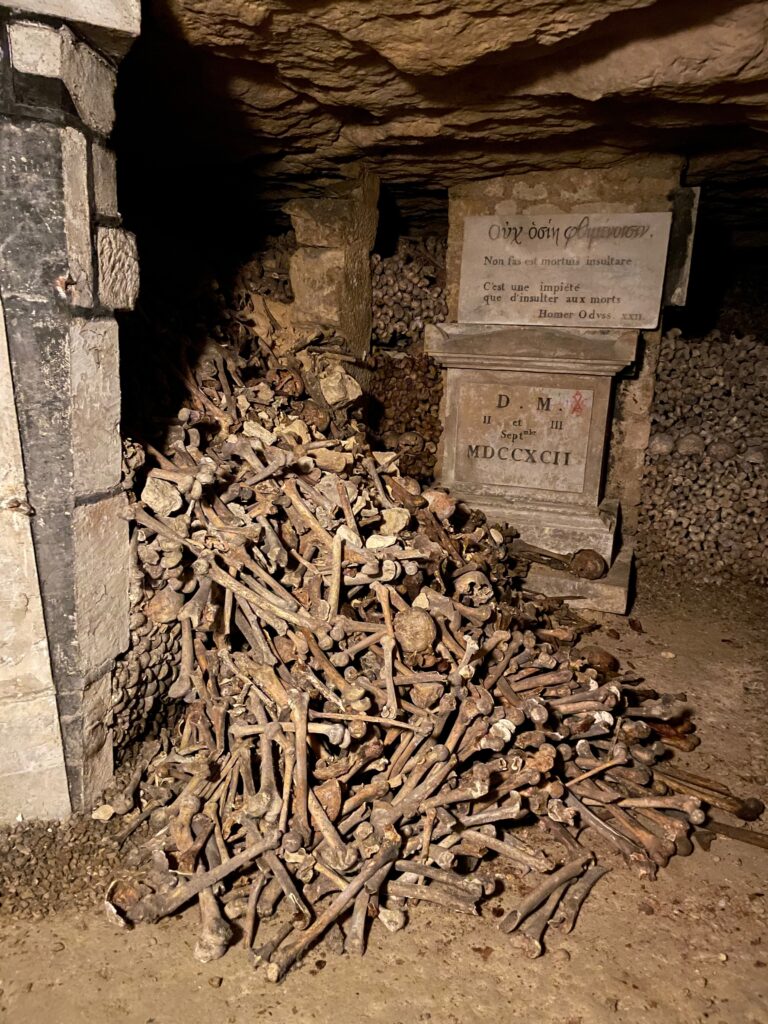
(610, 594)
(554, 528)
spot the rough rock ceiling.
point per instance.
(435, 92)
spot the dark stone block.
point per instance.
(72, 734)
(6, 72)
(74, 771)
(38, 342)
(34, 253)
(50, 95)
(70, 704)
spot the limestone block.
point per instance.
(35, 48)
(348, 215)
(29, 732)
(118, 268)
(41, 794)
(95, 383)
(104, 181)
(609, 594)
(120, 19)
(42, 50)
(97, 739)
(356, 312)
(101, 567)
(629, 187)
(91, 83)
(333, 286)
(77, 217)
(97, 773)
(631, 431)
(317, 277)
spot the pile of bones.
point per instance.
(372, 713)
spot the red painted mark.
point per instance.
(577, 404)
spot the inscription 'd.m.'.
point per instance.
(542, 404)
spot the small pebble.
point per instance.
(215, 981)
(668, 654)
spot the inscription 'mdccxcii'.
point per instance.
(521, 435)
(504, 452)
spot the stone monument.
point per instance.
(549, 309)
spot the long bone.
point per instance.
(535, 898)
(215, 932)
(299, 703)
(690, 806)
(302, 913)
(659, 850)
(156, 906)
(343, 856)
(451, 900)
(354, 940)
(577, 893)
(748, 810)
(533, 929)
(287, 956)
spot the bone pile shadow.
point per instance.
(373, 714)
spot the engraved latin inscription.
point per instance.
(522, 435)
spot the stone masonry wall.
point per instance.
(630, 186)
(331, 269)
(65, 265)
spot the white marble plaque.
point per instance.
(566, 270)
(520, 435)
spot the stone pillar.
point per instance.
(632, 186)
(66, 264)
(33, 780)
(331, 269)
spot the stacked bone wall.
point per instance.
(408, 290)
(143, 675)
(705, 488)
(406, 384)
(406, 388)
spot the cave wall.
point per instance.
(435, 95)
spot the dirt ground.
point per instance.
(691, 947)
